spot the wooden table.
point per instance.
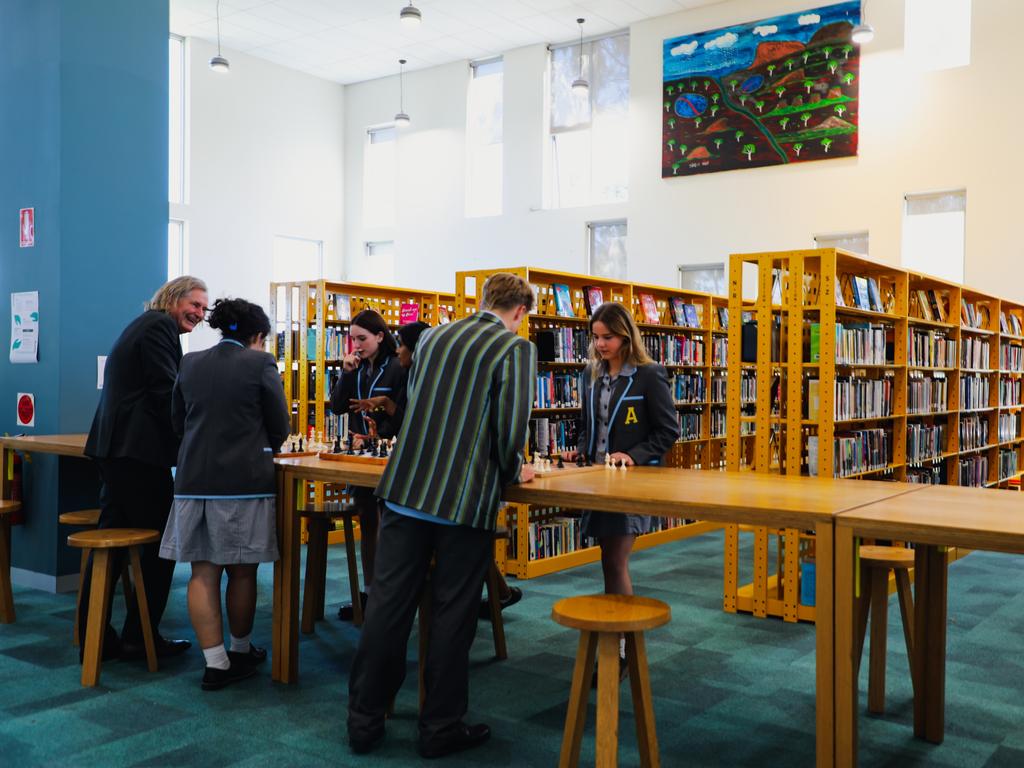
(62, 445)
(731, 497)
(934, 518)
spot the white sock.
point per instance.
(622, 647)
(217, 657)
(241, 644)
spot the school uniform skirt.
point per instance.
(221, 531)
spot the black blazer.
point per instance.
(229, 406)
(389, 379)
(133, 418)
(642, 416)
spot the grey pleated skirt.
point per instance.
(221, 531)
(598, 525)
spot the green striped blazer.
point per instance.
(470, 392)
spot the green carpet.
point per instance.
(729, 690)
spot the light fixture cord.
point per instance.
(218, 28)
(581, 50)
(401, 88)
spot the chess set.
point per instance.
(376, 450)
(544, 466)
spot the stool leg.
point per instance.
(126, 585)
(497, 622)
(140, 596)
(321, 574)
(607, 700)
(311, 583)
(576, 715)
(78, 599)
(879, 627)
(863, 604)
(353, 573)
(99, 612)
(6, 592)
(906, 614)
(643, 707)
(424, 640)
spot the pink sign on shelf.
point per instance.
(408, 313)
(27, 227)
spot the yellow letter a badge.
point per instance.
(631, 416)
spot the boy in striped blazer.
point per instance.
(470, 392)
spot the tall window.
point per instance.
(856, 242)
(587, 162)
(934, 240)
(176, 262)
(484, 163)
(176, 155)
(709, 278)
(937, 33)
(379, 177)
(297, 259)
(607, 248)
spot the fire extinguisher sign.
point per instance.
(26, 409)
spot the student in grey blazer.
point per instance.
(228, 405)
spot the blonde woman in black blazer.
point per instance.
(628, 413)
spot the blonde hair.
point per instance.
(170, 293)
(620, 323)
(503, 290)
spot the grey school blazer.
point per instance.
(469, 398)
(228, 405)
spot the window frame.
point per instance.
(702, 267)
(590, 226)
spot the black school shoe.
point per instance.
(252, 657)
(514, 596)
(457, 739)
(214, 679)
(345, 613)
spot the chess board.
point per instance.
(294, 454)
(363, 458)
(569, 469)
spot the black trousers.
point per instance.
(134, 495)
(404, 552)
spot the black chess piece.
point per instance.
(384, 449)
(561, 464)
(581, 460)
(337, 445)
(300, 445)
(350, 451)
(293, 447)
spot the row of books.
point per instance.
(718, 422)
(931, 305)
(973, 470)
(689, 425)
(748, 387)
(974, 353)
(933, 475)
(973, 433)
(865, 293)
(930, 349)
(719, 352)
(1009, 392)
(719, 389)
(1011, 357)
(550, 537)
(562, 345)
(857, 398)
(683, 314)
(974, 316)
(862, 450)
(973, 392)
(925, 442)
(336, 342)
(1007, 464)
(861, 344)
(553, 436)
(689, 388)
(1009, 426)
(557, 390)
(926, 394)
(674, 350)
(1010, 323)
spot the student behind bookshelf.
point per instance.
(627, 413)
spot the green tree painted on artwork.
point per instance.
(676, 166)
(833, 66)
(739, 135)
(733, 83)
(789, 64)
(849, 77)
(783, 123)
(759, 105)
(682, 149)
(847, 50)
(714, 109)
(827, 50)
(826, 143)
(667, 105)
(749, 150)
(771, 69)
(780, 90)
(693, 84)
(743, 99)
(797, 147)
(808, 84)
(714, 98)
(707, 84)
(805, 118)
(671, 123)
(805, 55)
(840, 109)
(670, 90)
(671, 145)
(697, 121)
(718, 143)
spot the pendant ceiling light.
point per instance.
(863, 32)
(579, 85)
(410, 16)
(218, 63)
(401, 119)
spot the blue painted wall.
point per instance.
(84, 131)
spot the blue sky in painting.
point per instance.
(721, 51)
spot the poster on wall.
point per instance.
(25, 327)
(781, 90)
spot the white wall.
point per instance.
(918, 132)
(266, 159)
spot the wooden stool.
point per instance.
(601, 619)
(102, 541)
(875, 564)
(314, 588)
(90, 517)
(7, 508)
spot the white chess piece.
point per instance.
(608, 461)
(547, 465)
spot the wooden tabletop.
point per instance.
(351, 472)
(748, 497)
(946, 515)
(62, 445)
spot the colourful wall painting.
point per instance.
(781, 90)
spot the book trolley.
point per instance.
(311, 321)
(863, 369)
(547, 540)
